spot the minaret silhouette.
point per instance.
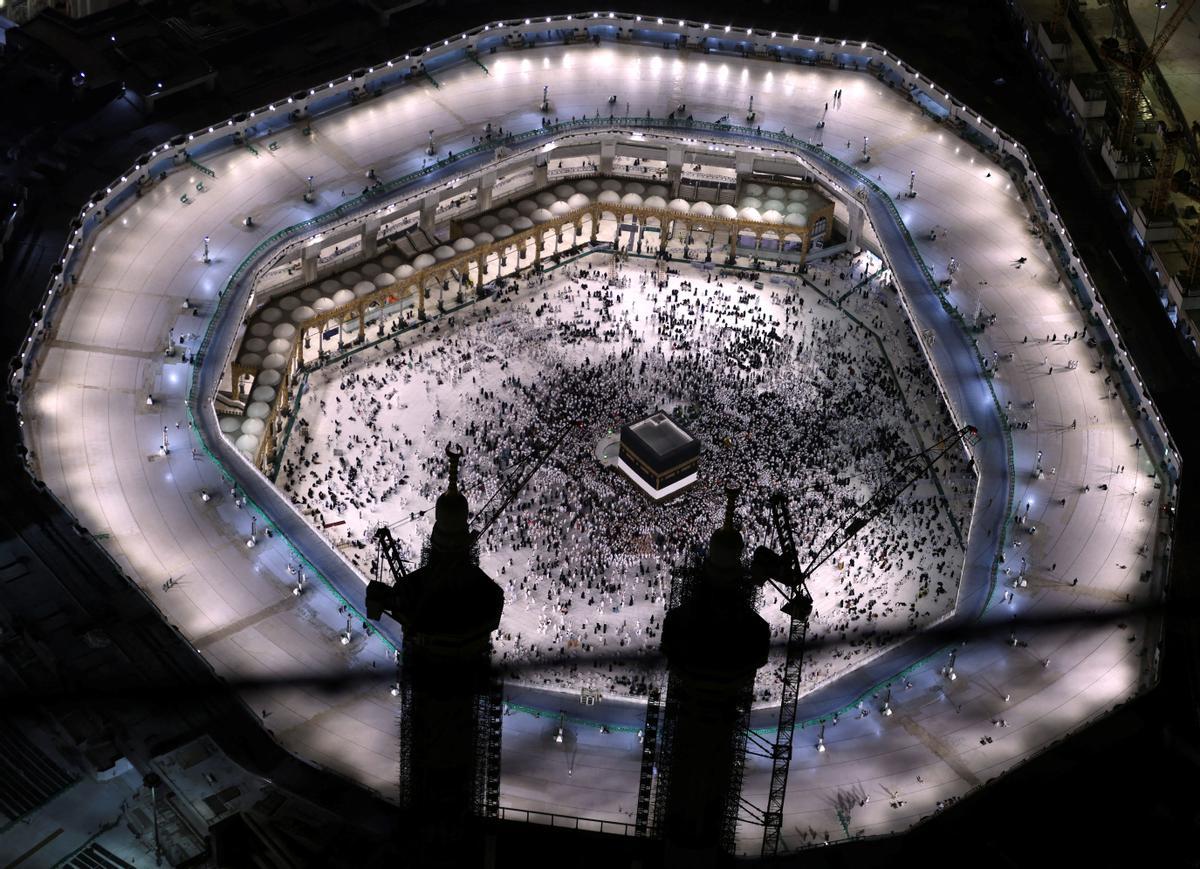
(450, 717)
(714, 641)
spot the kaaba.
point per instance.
(659, 455)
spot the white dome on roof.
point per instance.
(282, 345)
(423, 261)
(797, 195)
(545, 198)
(527, 207)
(579, 200)
(796, 219)
(289, 303)
(251, 360)
(608, 197)
(284, 330)
(404, 271)
(725, 210)
(329, 286)
(230, 424)
(749, 214)
(541, 216)
(774, 192)
(772, 216)
(247, 442)
(341, 297)
(487, 221)
(610, 184)
(750, 202)
(304, 312)
(559, 208)
(386, 279)
(679, 205)
(363, 288)
(587, 185)
(442, 252)
(483, 238)
(774, 205)
(657, 190)
(370, 270)
(270, 315)
(522, 222)
(635, 187)
(349, 279)
(752, 189)
(632, 199)
(701, 209)
(260, 329)
(502, 230)
(469, 229)
(253, 426)
(389, 261)
(506, 214)
(462, 245)
(655, 202)
(796, 207)
(258, 410)
(564, 191)
(268, 378)
(263, 393)
(309, 295)
(254, 345)
(278, 360)
(320, 306)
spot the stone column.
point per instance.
(854, 226)
(308, 261)
(744, 164)
(370, 237)
(608, 152)
(483, 192)
(429, 210)
(674, 169)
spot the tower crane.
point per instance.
(388, 549)
(784, 571)
(1135, 63)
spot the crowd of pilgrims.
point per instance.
(783, 390)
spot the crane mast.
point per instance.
(1135, 63)
(783, 570)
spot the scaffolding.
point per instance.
(646, 779)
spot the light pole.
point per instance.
(1159, 6)
(152, 781)
(912, 183)
(308, 193)
(253, 531)
(545, 98)
(430, 150)
(206, 257)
